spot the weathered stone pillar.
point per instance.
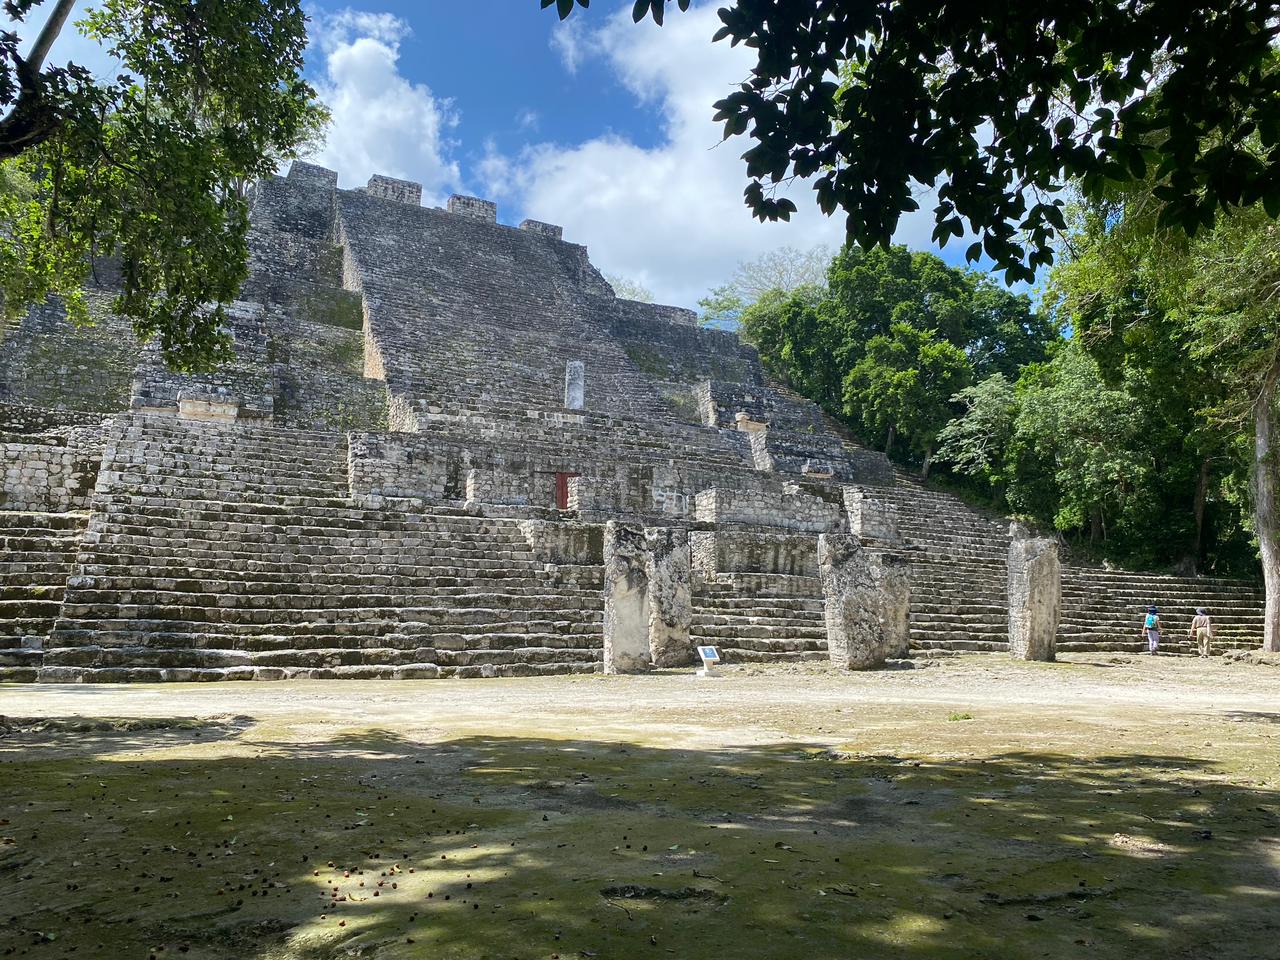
(626, 599)
(894, 575)
(670, 596)
(575, 384)
(867, 600)
(1035, 595)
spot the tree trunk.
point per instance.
(928, 458)
(32, 120)
(49, 33)
(1202, 494)
(888, 444)
(1096, 531)
(1265, 519)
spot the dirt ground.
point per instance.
(1110, 807)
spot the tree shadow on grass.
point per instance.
(372, 845)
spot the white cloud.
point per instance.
(571, 43)
(382, 123)
(670, 216)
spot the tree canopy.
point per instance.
(997, 106)
(891, 337)
(150, 169)
(785, 269)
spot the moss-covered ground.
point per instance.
(780, 815)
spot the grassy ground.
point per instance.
(1107, 809)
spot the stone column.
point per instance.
(575, 384)
(670, 596)
(1035, 595)
(626, 599)
(864, 602)
(894, 575)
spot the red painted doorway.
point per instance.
(562, 490)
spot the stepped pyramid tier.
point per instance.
(407, 469)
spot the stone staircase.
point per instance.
(959, 584)
(228, 552)
(37, 551)
(760, 617)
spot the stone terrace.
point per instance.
(401, 475)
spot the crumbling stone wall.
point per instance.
(728, 551)
(789, 509)
(52, 472)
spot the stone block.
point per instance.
(864, 602)
(208, 407)
(788, 508)
(594, 495)
(872, 518)
(389, 188)
(575, 384)
(670, 596)
(473, 208)
(626, 599)
(1035, 596)
(313, 175)
(544, 229)
(498, 486)
(729, 551)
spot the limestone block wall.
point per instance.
(402, 465)
(749, 551)
(789, 510)
(18, 418)
(389, 188)
(568, 542)
(500, 486)
(48, 362)
(50, 472)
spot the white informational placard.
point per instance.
(710, 656)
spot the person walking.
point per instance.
(1202, 632)
(1151, 629)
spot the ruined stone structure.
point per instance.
(408, 468)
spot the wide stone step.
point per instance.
(742, 654)
(421, 671)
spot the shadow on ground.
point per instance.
(370, 845)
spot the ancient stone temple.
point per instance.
(409, 469)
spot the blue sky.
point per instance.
(598, 124)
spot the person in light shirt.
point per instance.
(1202, 632)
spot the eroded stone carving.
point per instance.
(575, 385)
(626, 599)
(670, 596)
(1035, 595)
(866, 600)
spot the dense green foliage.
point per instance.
(149, 170)
(1116, 442)
(1197, 325)
(891, 338)
(997, 105)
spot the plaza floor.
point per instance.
(1101, 807)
